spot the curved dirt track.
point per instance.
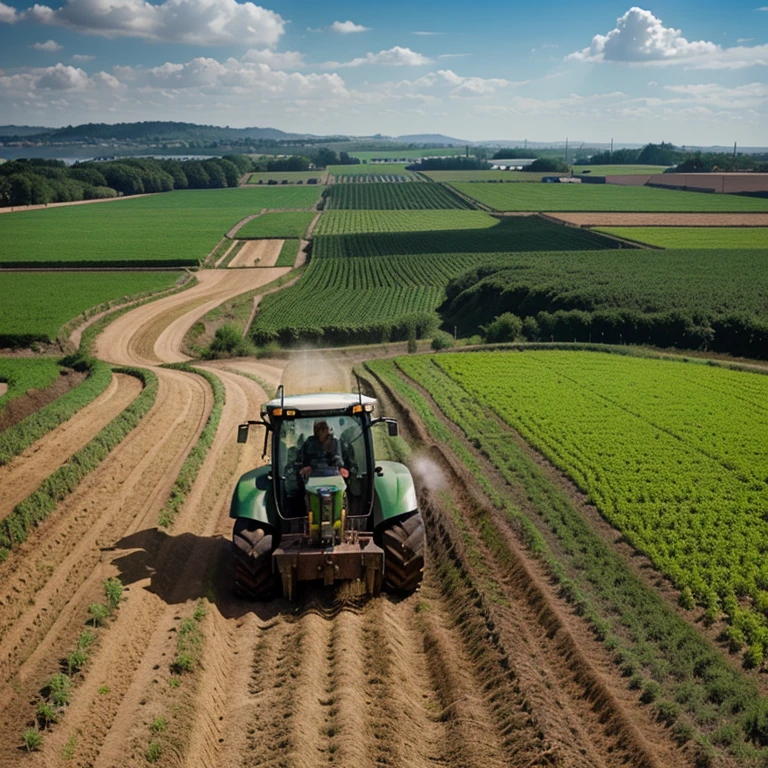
(258, 253)
(452, 676)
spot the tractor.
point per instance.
(332, 513)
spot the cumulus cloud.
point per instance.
(393, 57)
(748, 96)
(275, 59)
(474, 86)
(640, 38)
(49, 45)
(197, 22)
(8, 15)
(348, 27)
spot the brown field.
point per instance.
(663, 219)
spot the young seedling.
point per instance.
(46, 714)
(159, 724)
(33, 739)
(69, 748)
(99, 613)
(113, 589)
(86, 640)
(59, 690)
(154, 752)
(76, 660)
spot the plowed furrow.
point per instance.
(41, 577)
(402, 705)
(23, 475)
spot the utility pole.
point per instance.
(566, 149)
(734, 149)
(611, 145)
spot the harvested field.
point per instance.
(663, 219)
(258, 253)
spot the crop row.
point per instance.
(604, 197)
(685, 679)
(374, 178)
(675, 456)
(389, 197)
(36, 305)
(358, 222)
(512, 234)
(694, 237)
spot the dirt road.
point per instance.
(446, 677)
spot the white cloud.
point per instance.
(275, 59)
(474, 86)
(427, 34)
(749, 96)
(8, 15)
(393, 57)
(198, 22)
(347, 27)
(454, 55)
(49, 45)
(62, 78)
(762, 8)
(639, 38)
(82, 57)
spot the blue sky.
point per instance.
(673, 71)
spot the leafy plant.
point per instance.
(113, 588)
(59, 690)
(33, 739)
(99, 614)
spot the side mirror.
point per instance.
(242, 433)
(392, 428)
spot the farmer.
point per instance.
(322, 448)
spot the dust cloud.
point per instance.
(427, 472)
(314, 371)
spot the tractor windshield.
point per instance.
(295, 446)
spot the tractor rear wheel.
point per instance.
(403, 545)
(252, 553)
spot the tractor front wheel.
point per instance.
(252, 553)
(403, 545)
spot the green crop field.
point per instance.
(22, 374)
(292, 177)
(384, 197)
(169, 229)
(352, 222)
(375, 169)
(277, 225)
(605, 197)
(375, 178)
(693, 237)
(477, 235)
(618, 170)
(288, 253)
(674, 455)
(36, 305)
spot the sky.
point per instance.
(688, 73)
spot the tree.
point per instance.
(506, 327)
(548, 165)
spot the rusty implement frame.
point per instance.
(361, 559)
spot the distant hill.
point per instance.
(430, 138)
(22, 130)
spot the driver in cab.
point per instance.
(320, 451)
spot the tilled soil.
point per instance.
(483, 667)
(663, 219)
(258, 253)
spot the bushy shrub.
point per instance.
(442, 340)
(506, 327)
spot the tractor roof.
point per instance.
(320, 401)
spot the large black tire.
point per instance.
(403, 545)
(252, 554)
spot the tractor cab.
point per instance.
(321, 508)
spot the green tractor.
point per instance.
(324, 509)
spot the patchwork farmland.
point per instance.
(594, 490)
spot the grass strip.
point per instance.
(674, 668)
(210, 260)
(20, 436)
(236, 248)
(30, 512)
(194, 461)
